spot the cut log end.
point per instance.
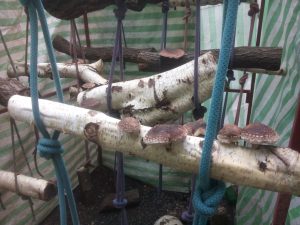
(50, 192)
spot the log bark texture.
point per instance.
(271, 168)
(28, 186)
(70, 9)
(158, 98)
(104, 53)
(10, 87)
(244, 58)
(266, 58)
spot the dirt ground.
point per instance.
(150, 208)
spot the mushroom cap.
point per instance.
(165, 133)
(196, 128)
(172, 53)
(258, 133)
(129, 125)
(229, 133)
(168, 220)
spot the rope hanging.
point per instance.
(199, 110)
(163, 43)
(119, 202)
(48, 147)
(209, 192)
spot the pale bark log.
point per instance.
(89, 73)
(276, 170)
(28, 186)
(158, 98)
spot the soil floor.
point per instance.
(150, 208)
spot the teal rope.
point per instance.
(209, 192)
(49, 148)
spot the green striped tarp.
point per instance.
(275, 103)
(142, 29)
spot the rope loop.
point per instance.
(165, 6)
(47, 148)
(121, 9)
(120, 204)
(254, 9)
(206, 202)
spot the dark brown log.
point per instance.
(132, 196)
(104, 53)
(85, 186)
(70, 9)
(266, 58)
(244, 57)
(10, 87)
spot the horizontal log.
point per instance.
(275, 169)
(28, 186)
(88, 73)
(158, 98)
(104, 53)
(244, 58)
(70, 9)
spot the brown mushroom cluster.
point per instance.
(255, 134)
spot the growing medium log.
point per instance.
(271, 168)
(10, 87)
(244, 58)
(70, 9)
(104, 53)
(158, 98)
(28, 186)
(89, 73)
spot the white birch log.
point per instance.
(89, 73)
(276, 170)
(28, 186)
(158, 98)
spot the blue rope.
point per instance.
(48, 147)
(209, 192)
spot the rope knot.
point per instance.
(254, 8)
(120, 11)
(165, 6)
(206, 202)
(47, 148)
(119, 204)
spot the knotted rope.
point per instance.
(48, 147)
(209, 192)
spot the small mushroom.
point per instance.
(172, 53)
(168, 220)
(129, 125)
(165, 134)
(259, 134)
(230, 133)
(196, 128)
